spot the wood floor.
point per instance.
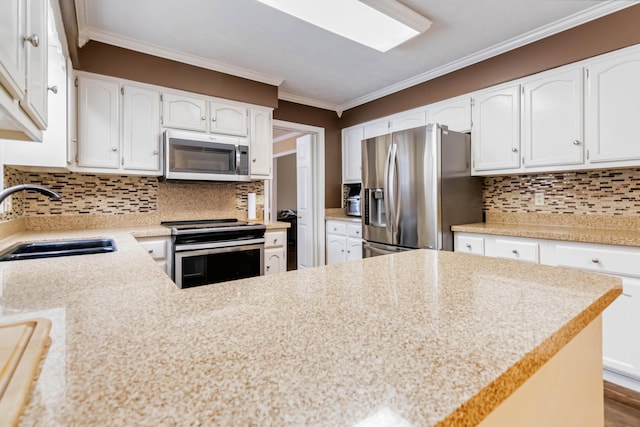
(621, 406)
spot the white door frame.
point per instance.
(317, 154)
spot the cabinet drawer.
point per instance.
(354, 230)
(336, 227)
(605, 260)
(513, 249)
(470, 245)
(156, 248)
(275, 239)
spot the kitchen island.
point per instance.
(417, 338)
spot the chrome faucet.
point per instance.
(22, 187)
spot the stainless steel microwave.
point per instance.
(205, 157)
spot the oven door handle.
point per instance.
(216, 245)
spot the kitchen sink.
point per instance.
(49, 249)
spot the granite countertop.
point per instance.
(418, 333)
(610, 236)
(337, 214)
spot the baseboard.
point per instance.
(622, 380)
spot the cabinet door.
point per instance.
(612, 108)
(552, 119)
(12, 63)
(336, 248)
(496, 129)
(454, 113)
(35, 101)
(408, 120)
(183, 112)
(377, 128)
(352, 155)
(141, 128)
(621, 329)
(228, 119)
(354, 249)
(261, 150)
(98, 122)
(274, 261)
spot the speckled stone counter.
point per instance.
(340, 215)
(434, 337)
(610, 236)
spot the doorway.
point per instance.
(298, 177)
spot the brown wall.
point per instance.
(608, 33)
(297, 113)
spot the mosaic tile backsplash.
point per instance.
(598, 192)
(84, 194)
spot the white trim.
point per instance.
(590, 14)
(81, 18)
(286, 153)
(298, 99)
(318, 183)
(621, 380)
(286, 136)
(174, 55)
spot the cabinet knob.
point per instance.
(33, 39)
(268, 267)
(203, 118)
(253, 160)
(342, 250)
(213, 119)
(150, 251)
(515, 252)
(514, 149)
(53, 89)
(595, 260)
(155, 152)
(275, 240)
(468, 245)
(576, 142)
(114, 149)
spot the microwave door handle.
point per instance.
(237, 160)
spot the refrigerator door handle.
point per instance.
(386, 189)
(391, 187)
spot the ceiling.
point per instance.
(314, 67)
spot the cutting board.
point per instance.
(22, 348)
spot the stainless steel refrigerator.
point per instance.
(416, 184)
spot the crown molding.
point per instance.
(590, 14)
(81, 20)
(298, 99)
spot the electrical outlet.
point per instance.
(538, 199)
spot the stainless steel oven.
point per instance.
(213, 251)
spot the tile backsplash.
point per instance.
(597, 192)
(87, 194)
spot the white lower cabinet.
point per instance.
(275, 252)
(344, 241)
(159, 249)
(620, 321)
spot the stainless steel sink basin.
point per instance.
(51, 249)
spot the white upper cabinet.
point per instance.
(35, 100)
(98, 122)
(141, 128)
(261, 143)
(118, 127)
(12, 59)
(227, 118)
(552, 119)
(352, 155)
(376, 128)
(455, 113)
(613, 108)
(496, 129)
(408, 120)
(23, 68)
(184, 112)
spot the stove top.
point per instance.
(210, 225)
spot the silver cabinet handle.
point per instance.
(213, 119)
(53, 89)
(468, 245)
(155, 152)
(268, 267)
(576, 142)
(114, 149)
(515, 251)
(514, 149)
(595, 260)
(150, 251)
(33, 39)
(203, 118)
(275, 240)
